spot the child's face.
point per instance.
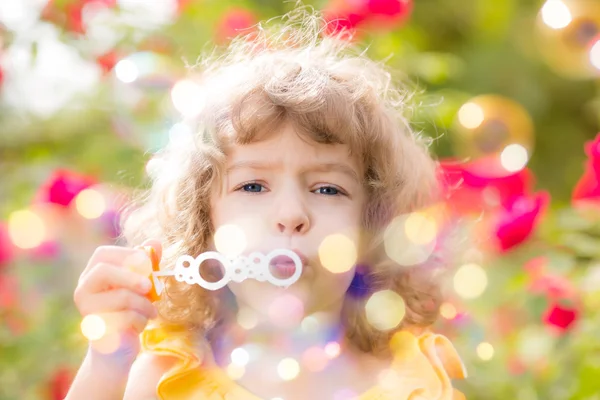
(289, 192)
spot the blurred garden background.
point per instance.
(509, 90)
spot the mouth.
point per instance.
(283, 267)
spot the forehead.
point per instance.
(287, 145)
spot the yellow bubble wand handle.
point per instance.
(154, 294)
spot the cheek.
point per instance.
(249, 228)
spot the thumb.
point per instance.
(156, 245)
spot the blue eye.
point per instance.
(328, 190)
(252, 187)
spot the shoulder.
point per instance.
(145, 374)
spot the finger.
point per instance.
(110, 255)
(108, 276)
(117, 300)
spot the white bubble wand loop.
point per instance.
(236, 269)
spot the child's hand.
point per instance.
(115, 286)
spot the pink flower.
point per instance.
(48, 250)
(517, 222)
(554, 287)
(338, 22)
(587, 189)
(504, 199)
(62, 187)
(7, 252)
(388, 14)
(469, 190)
(349, 15)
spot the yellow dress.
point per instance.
(424, 364)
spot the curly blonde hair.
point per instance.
(287, 70)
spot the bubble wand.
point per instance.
(236, 268)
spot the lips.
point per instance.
(283, 267)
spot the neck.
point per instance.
(258, 331)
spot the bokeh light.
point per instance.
(230, 240)
(534, 344)
(471, 115)
(310, 324)
(389, 379)
(420, 228)
(286, 310)
(240, 356)
(487, 124)
(93, 327)
(566, 33)
(332, 350)
(405, 239)
(337, 253)
(485, 351)
(188, 98)
(595, 54)
(246, 318)
(26, 229)
(514, 157)
(180, 134)
(314, 359)
(126, 71)
(470, 281)
(235, 371)
(288, 369)
(556, 14)
(385, 310)
(90, 204)
(448, 311)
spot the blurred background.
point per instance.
(508, 90)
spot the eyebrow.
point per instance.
(320, 167)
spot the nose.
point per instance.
(292, 217)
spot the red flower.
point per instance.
(517, 222)
(8, 291)
(63, 186)
(6, 246)
(235, 22)
(59, 384)
(561, 317)
(107, 61)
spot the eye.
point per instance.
(328, 191)
(252, 187)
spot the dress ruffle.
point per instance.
(422, 369)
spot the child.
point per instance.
(300, 141)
